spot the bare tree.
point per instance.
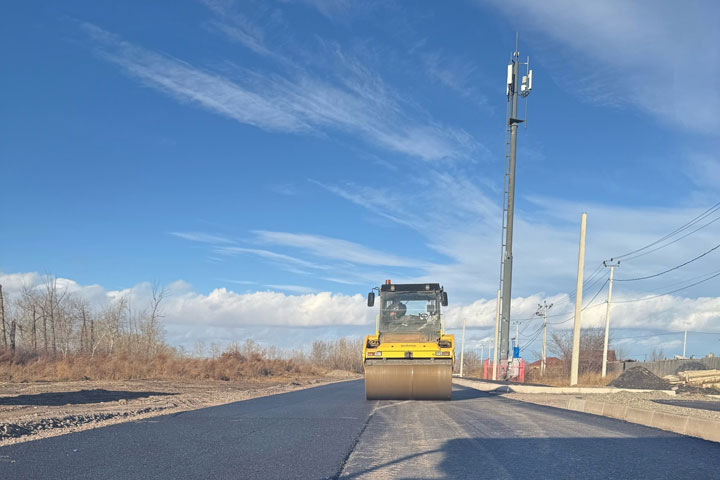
(2, 318)
(657, 354)
(591, 348)
(150, 327)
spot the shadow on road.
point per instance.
(464, 393)
(77, 398)
(560, 458)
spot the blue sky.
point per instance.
(307, 150)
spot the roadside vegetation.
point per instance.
(48, 334)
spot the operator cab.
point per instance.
(410, 309)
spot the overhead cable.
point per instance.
(689, 224)
(666, 293)
(669, 269)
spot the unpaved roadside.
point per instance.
(29, 411)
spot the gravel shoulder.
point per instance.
(648, 400)
(30, 411)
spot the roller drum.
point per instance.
(408, 380)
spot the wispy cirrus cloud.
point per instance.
(458, 219)
(455, 73)
(625, 53)
(202, 237)
(269, 255)
(337, 249)
(357, 102)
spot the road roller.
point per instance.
(409, 357)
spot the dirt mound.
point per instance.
(687, 388)
(685, 367)
(640, 377)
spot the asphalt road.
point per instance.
(332, 431)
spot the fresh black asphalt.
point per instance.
(332, 431)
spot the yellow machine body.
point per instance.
(415, 363)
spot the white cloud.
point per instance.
(660, 58)
(219, 308)
(331, 8)
(337, 249)
(273, 256)
(202, 237)
(456, 73)
(291, 288)
(705, 170)
(294, 321)
(458, 219)
(358, 102)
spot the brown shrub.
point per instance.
(560, 377)
(244, 362)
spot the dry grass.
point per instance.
(560, 378)
(229, 366)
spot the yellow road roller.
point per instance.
(409, 357)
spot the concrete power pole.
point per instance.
(684, 343)
(578, 305)
(542, 312)
(497, 326)
(607, 316)
(462, 349)
(515, 87)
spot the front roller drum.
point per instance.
(408, 380)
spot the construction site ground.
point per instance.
(30, 411)
(690, 404)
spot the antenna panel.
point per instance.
(509, 79)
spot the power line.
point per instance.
(703, 215)
(668, 270)
(666, 333)
(536, 334)
(589, 305)
(570, 298)
(674, 241)
(652, 335)
(668, 293)
(671, 285)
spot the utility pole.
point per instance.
(462, 349)
(497, 326)
(542, 312)
(515, 87)
(684, 343)
(607, 315)
(578, 305)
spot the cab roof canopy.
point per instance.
(410, 287)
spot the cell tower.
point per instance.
(516, 87)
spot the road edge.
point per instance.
(278, 389)
(703, 428)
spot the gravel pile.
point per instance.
(642, 378)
